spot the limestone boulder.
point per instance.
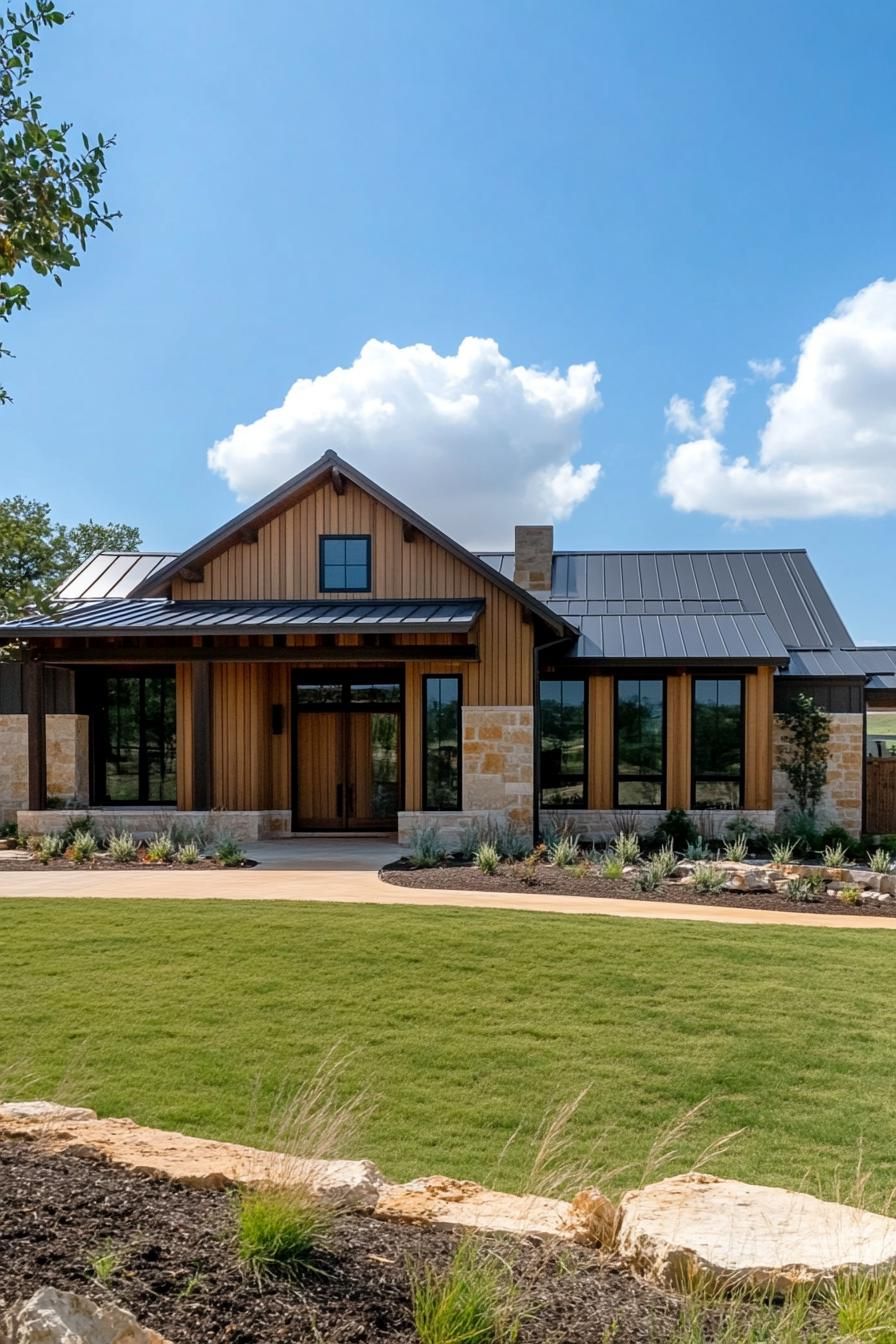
(35, 1111)
(592, 1218)
(446, 1202)
(55, 1317)
(750, 879)
(700, 1230)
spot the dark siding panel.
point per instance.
(837, 697)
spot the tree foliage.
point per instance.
(36, 553)
(804, 751)
(49, 195)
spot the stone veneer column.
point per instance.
(68, 768)
(497, 760)
(841, 803)
(13, 765)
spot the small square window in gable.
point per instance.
(344, 564)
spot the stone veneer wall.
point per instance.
(67, 761)
(13, 765)
(595, 825)
(241, 826)
(497, 760)
(841, 802)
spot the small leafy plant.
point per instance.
(487, 859)
(426, 849)
(802, 891)
(627, 847)
(160, 848)
(105, 1263)
(565, 851)
(528, 869)
(122, 847)
(699, 851)
(782, 851)
(472, 1301)
(611, 866)
(188, 853)
(50, 847)
(835, 856)
(849, 895)
(649, 876)
(736, 849)
(83, 847)
(879, 861)
(709, 878)
(230, 854)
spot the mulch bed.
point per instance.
(553, 881)
(178, 1271)
(25, 862)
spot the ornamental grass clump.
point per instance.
(611, 866)
(736, 849)
(879, 861)
(565, 851)
(160, 848)
(627, 847)
(472, 1301)
(782, 851)
(665, 861)
(279, 1232)
(709, 878)
(83, 847)
(50, 847)
(122, 847)
(802, 891)
(188, 853)
(487, 859)
(426, 849)
(835, 856)
(650, 875)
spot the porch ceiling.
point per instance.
(162, 615)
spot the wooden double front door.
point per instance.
(347, 745)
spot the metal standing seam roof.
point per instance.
(776, 589)
(879, 664)
(149, 615)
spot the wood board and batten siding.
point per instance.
(251, 766)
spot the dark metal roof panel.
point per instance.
(159, 615)
(653, 637)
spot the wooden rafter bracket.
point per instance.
(189, 575)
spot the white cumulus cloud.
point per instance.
(680, 413)
(828, 446)
(468, 440)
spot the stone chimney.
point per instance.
(533, 558)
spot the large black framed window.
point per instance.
(345, 564)
(563, 742)
(441, 744)
(717, 742)
(135, 745)
(640, 742)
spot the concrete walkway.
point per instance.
(345, 871)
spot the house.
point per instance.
(329, 661)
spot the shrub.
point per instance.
(849, 895)
(188, 853)
(487, 859)
(279, 1231)
(78, 826)
(800, 827)
(801, 890)
(611, 865)
(834, 856)
(879, 861)
(472, 1301)
(736, 849)
(745, 827)
(160, 848)
(665, 861)
(709, 878)
(698, 851)
(565, 851)
(677, 829)
(122, 846)
(83, 847)
(627, 847)
(782, 851)
(50, 847)
(230, 854)
(426, 849)
(836, 835)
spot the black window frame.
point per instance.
(664, 767)
(457, 806)
(584, 681)
(321, 561)
(97, 704)
(719, 778)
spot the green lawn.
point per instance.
(880, 722)
(467, 1026)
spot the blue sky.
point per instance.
(669, 190)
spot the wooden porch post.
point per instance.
(202, 736)
(35, 708)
